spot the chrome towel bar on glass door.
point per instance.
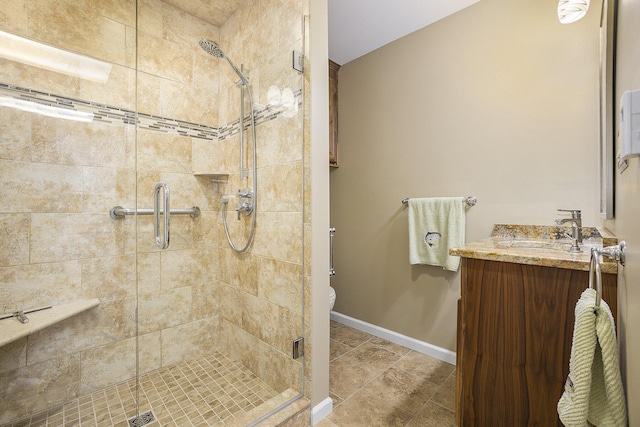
(118, 212)
(161, 189)
(471, 201)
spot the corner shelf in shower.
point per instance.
(214, 176)
(12, 329)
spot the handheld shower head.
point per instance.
(211, 48)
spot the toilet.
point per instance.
(332, 298)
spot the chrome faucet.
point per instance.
(576, 227)
(244, 208)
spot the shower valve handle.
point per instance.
(247, 194)
(243, 208)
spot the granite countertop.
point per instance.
(539, 245)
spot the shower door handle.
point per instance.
(161, 241)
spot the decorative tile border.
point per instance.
(108, 114)
(119, 116)
(263, 114)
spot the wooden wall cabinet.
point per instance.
(333, 113)
(514, 340)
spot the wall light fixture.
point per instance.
(572, 10)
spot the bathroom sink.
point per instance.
(586, 246)
(554, 245)
(540, 245)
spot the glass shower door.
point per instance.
(67, 156)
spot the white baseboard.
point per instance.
(321, 411)
(412, 343)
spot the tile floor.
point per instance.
(210, 390)
(374, 382)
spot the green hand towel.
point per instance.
(435, 226)
(607, 404)
(593, 391)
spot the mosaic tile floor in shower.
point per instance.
(208, 391)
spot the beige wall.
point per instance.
(318, 220)
(626, 225)
(499, 101)
(60, 178)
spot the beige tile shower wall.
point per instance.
(59, 180)
(100, 30)
(89, 27)
(177, 78)
(64, 246)
(261, 306)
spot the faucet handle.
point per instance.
(247, 193)
(575, 213)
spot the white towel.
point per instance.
(593, 391)
(435, 226)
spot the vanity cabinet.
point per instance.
(515, 327)
(333, 113)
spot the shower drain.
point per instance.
(142, 419)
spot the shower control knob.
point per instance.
(247, 194)
(243, 208)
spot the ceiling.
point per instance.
(357, 27)
(216, 12)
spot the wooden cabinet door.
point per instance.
(516, 323)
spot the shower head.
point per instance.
(211, 48)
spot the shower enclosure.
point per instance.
(128, 170)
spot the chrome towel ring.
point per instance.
(614, 253)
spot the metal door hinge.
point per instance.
(298, 348)
(298, 61)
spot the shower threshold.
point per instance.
(211, 390)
